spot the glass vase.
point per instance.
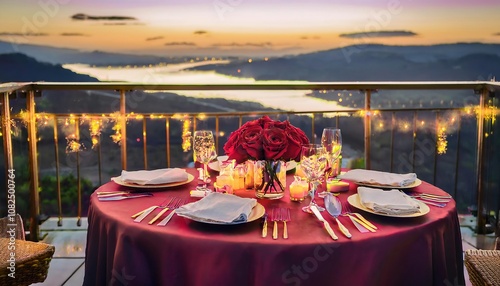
(269, 179)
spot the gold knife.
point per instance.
(325, 223)
(264, 226)
(365, 221)
(361, 223)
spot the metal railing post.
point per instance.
(7, 139)
(6, 131)
(78, 175)
(167, 140)
(313, 132)
(368, 129)
(58, 177)
(123, 130)
(33, 167)
(481, 220)
(144, 143)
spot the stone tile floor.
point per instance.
(68, 264)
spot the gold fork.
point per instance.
(149, 210)
(285, 217)
(169, 206)
(275, 218)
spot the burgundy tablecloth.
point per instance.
(425, 250)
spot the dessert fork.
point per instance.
(172, 204)
(144, 213)
(164, 222)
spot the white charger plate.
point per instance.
(416, 183)
(356, 202)
(119, 181)
(257, 212)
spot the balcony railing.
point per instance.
(393, 139)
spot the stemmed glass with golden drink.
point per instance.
(331, 139)
(204, 150)
(313, 162)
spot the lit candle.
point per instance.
(298, 190)
(224, 180)
(239, 177)
(336, 186)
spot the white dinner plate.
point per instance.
(290, 165)
(412, 185)
(355, 202)
(257, 212)
(119, 181)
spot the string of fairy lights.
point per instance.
(70, 125)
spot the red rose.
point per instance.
(252, 141)
(296, 138)
(245, 143)
(264, 120)
(232, 146)
(278, 124)
(275, 143)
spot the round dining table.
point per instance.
(422, 250)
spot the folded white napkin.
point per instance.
(379, 178)
(155, 177)
(392, 202)
(219, 207)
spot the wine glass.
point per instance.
(204, 150)
(313, 161)
(332, 141)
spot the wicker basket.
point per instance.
(32, 262)
(5, 225)
(483, 266)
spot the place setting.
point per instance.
(224, 200)
(392, 183)
(153, 179)
(222, 209)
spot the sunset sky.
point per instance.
(245, 27)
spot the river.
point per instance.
(289, 100)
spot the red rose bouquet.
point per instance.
(265, 139)
(268, 140)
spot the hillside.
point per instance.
(461, 61)
(56, 55)
(18, 67)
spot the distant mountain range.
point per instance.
(56, 55)
(18, 67)
(461, 61)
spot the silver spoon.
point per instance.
(334, 208)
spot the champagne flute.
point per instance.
(313, 161)
(204, 150)
(331, 139)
